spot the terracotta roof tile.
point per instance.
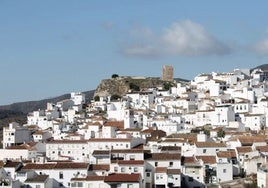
(244, 149)
(209, 144)
(161, 170)
(226, 154)
(30, 166)
(249, 140)
(207, 159)
(96, 167)
(68, 142)
(127, 151)
(37, 179)
(117, 124)
(262, 148)
(63, 165)
(122, 178)
(173, 171)
(110, 140)
(89, 178)
(101, 152)
(164, 156)
(130, 162)
(11, 164)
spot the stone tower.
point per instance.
(167, 73)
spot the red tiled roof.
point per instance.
(165, 156)
(68, 142)
(207, 159)
(189, 160)
(110, 140)
(101, 152)
(11, 164)
(89, 178)
(173, 171)
(94, 167)
(117, 124)
(251, 139)
(63, 165)
(226, 154)
(262, 148)
(122, 178)
(244, 149)
(130, 162)
(209, 144)
(127, 151)
(161, 170)
(37, 179)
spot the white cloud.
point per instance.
(141, 32)
(141, 50)
(261, 47)
(184, 38)
(190, 39)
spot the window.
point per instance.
(135, 169)
(224, 170)
(37, 186)
(123, 169)
(170, 164)
(129, 185)
(116, 169)
(61, 175)
(148, 174)
(156, 164)
(204, 150)
(190, 179)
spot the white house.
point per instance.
(61, 173)
(15, 134)
(76, 150)
(223, 115)
(209, 148)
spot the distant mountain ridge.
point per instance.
(29, 106)
(263, 67)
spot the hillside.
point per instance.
(18, 111)
(29, 106)
(122, 85)
(262, 67)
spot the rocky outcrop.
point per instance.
(122, 85)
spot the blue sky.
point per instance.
(49, 48)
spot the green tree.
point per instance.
(168, 85)
(97, 98)
(115, 75)
(115, 97)
(207, 132)
(134, 87)
(221, 133)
